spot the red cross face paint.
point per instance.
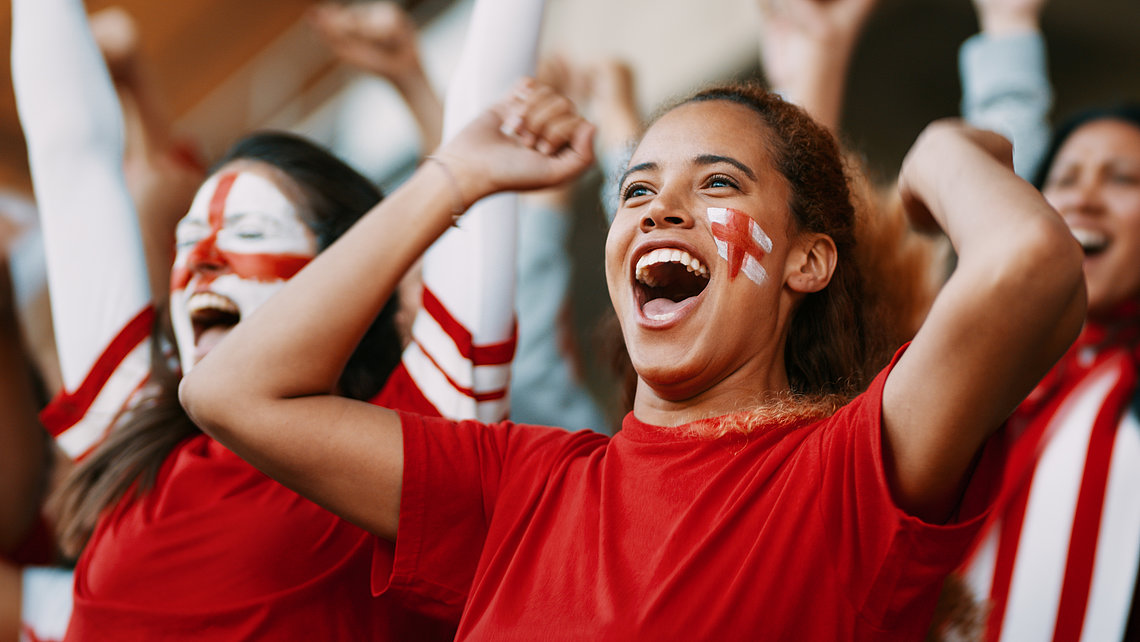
(238, 244)
(741, 242)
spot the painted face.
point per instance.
(740, 242)
(238, 244)
(692, 213)
(1094, 183)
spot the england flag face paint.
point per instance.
(238, 244)
(740, 242)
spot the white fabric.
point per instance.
(46, 606)
(1005, 87)
(1043, 548)
(471, 269)
(74, 128)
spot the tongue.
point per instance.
(208, 339)
(657, 307)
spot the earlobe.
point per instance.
(812, 263)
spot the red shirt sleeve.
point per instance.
(873, 540)
(453, 473)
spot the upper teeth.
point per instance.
(668, 255)
(1090, 239)
(210, 301)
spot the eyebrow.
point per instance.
(636, 168)
(703, 159)
(713, 159)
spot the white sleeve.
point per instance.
(464, 337)
(45, 602)
(96, 268)
(1006, 88)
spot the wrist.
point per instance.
(1009, 23)
(462, 185)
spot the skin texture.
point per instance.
(729, 347)
(237, 255)
(1095, 184)
(1012, 307)
(806, 48)
(380, 38)
(1007, 17)
(367, 445)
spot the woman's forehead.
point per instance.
(717, 127)
(239, 189)
(1103, 137)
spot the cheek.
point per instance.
(741, 242)
(266, 267)
(180, 274)
(617, 246)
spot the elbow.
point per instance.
(1049, 276)
(205, 402)
(1067, 261)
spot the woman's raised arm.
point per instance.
(266, 391)
(96, 268)
(1011, 308)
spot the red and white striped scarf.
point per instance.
(1059, 558)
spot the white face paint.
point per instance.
(741, 242)
(238, 244)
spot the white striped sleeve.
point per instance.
(73, 125)
(470, 271)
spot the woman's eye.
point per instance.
(250, 235)
(1064, 180)
(633, 191)
(1125, 179)
(187, 235)
(253, 228)
(721, 180)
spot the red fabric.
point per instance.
(789, 533)
(493, 354)
(218, 551)
(1113, 342)
(1090, 505)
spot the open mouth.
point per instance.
(665, 279)
(1093, 242)
(209, 311)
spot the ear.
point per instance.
(811, 263)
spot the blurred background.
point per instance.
(225, 67)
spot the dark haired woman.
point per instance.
(736, 502)
(1060, 559)
(179, 538)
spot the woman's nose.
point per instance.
(1082, 197)
(666, 212)
(205, 257)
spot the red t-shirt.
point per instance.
(655, 534)
(218, 551)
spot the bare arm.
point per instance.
(161, 185)
(380, 38)
(806, 47)
(1012, 306)
(96, 267)
(249, 393)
